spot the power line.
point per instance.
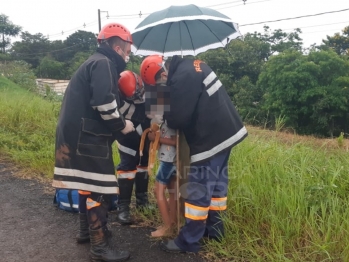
(135, 16)
(227, 3)
(312, 32)
(84, 25)
(317, 25)
(227, 7)
(297, 17)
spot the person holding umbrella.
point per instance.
(202, 109)
(89, 122)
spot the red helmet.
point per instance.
(150, 67)
(131, 85)
(114, 29)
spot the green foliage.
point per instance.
(285, 203)
(76, 62)
(246, 96)
(310, 91)
(340, 139)
(134, 63)
(7, 29)
(279, 123)
(27, 127)
(339, 42)
(20, 73)
(31, 49)
(5, 57)
(81, 41)
(50, 68)
(239, 65)
(279, 41)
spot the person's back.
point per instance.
(201, 107)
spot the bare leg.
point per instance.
(163, 208)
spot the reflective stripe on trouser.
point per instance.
(218, 203)
(90, 203)
(97, 210)
(195, 212)
(205, 199)
(126, 174)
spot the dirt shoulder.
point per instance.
(32, 229)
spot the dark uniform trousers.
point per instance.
(205, 201)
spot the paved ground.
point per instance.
(33, 230)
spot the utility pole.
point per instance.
(99, 18)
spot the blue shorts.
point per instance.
(166, 171)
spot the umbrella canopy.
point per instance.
(183, 30)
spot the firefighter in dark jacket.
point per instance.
(201, 107)
(132, 168)
(89, 122)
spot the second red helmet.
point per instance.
(131, 85)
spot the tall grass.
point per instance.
(27, 127)
(286, 202)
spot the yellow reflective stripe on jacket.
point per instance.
(91, 203)
(195, 212)
(218, 203)
(126, 174)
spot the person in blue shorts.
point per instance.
(165, 178)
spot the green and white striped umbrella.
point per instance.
(183, 30)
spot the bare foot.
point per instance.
(160, 232)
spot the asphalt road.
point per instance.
(33, 230)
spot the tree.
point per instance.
(32, 48)
(238, 67)
(339, 43)
(134, 63)
(7, 29)
(310, 91)
(80, 41)
(279, 41)
(50, 68)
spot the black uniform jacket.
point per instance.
(201, 107)
(88, 123)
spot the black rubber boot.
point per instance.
(100, 249)
(124, 201)
(141, 190)
(84, 235)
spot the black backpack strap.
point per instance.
(70, 199)
(54, 198)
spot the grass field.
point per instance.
(288, 195)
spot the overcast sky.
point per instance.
(52, 17)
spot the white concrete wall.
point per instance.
(57, 86)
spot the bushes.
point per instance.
(19, 72)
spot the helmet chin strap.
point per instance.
(138, 92)
(163, 65)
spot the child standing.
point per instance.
(166, 179)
